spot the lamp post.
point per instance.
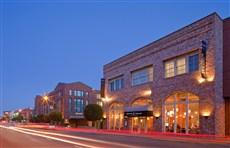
(49, 102)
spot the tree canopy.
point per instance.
(93, 112)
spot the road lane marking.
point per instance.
(79, 138)
(49, 137)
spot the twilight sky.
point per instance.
(43, 43)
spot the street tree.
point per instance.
(93, 112)
(55, 117)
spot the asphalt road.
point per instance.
(31, 138)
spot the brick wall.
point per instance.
(183, 41)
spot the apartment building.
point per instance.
(68, 98)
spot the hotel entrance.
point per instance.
(139, 117)
(139, 124)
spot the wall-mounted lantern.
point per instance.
(157, 115)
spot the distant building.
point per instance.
(6, 115)
(41, 106)
(68, 98)
(26, 113)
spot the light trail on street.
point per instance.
(88, 142)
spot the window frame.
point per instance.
(191, 55)
(116, 84)
(174, 73)
(187, 65)
(142, 76)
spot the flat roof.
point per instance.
(156, 41)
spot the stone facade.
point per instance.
(184, 41)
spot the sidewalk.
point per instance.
(198, 138)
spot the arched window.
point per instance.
(144, 122)
(181, 113)
(116, 114)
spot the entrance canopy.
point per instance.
(137, 111)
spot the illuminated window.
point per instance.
(169, 69)
(181, 66)
(181, 113)
(142, 76)
(116, 114)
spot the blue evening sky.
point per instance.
(43, 43)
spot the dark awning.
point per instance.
(138, 114)
(137, 111)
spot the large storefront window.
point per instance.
(116, 114)
(182, 113)
(139, 117)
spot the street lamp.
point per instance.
(47, 101)
(46, 98)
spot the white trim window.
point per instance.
(181, 66)
(169, 69)
(142, 76)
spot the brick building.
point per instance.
(68, 98)
(26, 113)
(174, 84)
(40, 106)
